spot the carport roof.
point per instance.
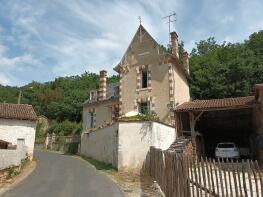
(216, 104)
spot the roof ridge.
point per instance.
(220, 99)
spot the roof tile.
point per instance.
(216, 103)
(17, 111)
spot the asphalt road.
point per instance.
(58, 175)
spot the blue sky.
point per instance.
(41, 40)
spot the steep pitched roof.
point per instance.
(140, 28)
(17, 111)
(214, 104)
(172, 56)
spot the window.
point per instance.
(144, 107)
(93, 95)
(90, 123)
(144, 78)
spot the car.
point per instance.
(227, 150)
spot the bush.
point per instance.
(40, 130)
(12, 172)
(65, 128)
(151, 116)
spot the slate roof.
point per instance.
(17, 111)
(214, 104)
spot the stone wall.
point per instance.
(102, 113)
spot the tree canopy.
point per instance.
(60, 99)
(226, 70)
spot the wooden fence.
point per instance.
(181, 176)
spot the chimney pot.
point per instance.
(186, 61)
(174, 43)
(103, 85)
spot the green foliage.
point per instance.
(73, 148)
(58, 100)
(40, 130)
(99, 165)
(65, 128)
(226, 70)
(152, 116)
(11, 172)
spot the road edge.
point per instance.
(22, 176)
(100, 172)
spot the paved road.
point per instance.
(58, 175)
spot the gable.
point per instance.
(143, 49)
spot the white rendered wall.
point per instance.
(135, 139)
(11, 130)
(101, 144)
(12, 157)
(126, 145)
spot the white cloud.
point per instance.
(68, 37)
(5, 80)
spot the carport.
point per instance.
(209, 122)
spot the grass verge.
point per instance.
(101, 166)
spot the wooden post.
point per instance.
(193, 135)
(193, 120)
(177, 124)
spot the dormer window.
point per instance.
(93, 95)
(144, 78)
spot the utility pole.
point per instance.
(19, 97)
(171, 18)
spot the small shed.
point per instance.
(18, 121)
(209, 122)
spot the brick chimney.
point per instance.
(103, 85)
(174, 43)
(186, 61)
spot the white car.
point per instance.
(227, 150)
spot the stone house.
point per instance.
(18, 122)
(152, 79)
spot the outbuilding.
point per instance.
(18, 122)
(209, 122)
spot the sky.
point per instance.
(42, 40)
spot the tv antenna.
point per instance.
(171, 19)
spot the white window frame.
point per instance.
(90, 120)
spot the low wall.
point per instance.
(135, 140)
(12, 157)
(126, 145)
(101, 144)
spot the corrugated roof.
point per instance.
(17, 111)
(216, 104)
